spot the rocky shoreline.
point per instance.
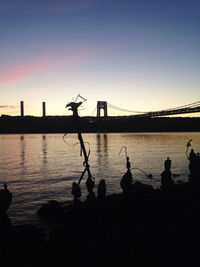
(139, 227)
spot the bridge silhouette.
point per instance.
(189, 108)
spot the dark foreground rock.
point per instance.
(147, 228)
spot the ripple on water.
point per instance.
(41, 167)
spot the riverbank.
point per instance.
(148, 228)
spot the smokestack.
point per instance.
(44, 109)
(22, 108)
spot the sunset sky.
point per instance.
(140, 55)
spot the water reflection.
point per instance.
(44, 149)
(102, 151)
(22, 150)
(46, 163)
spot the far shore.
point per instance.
(63, 124)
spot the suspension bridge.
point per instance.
(189, 108)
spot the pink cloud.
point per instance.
(7, 106)
(24, 71)
(21, 72)
(8, 109)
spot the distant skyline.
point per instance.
(141, 55)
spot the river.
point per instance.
(42, 167)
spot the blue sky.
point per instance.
(139, 55)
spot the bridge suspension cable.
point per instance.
(93, 111)
(122, 109)
(191, 105)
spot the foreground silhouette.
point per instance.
(148, 227)
(73, 106)
(166, 177)
(194, 166)
(5, 198)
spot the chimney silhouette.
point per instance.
(43, 109)
(22, 108)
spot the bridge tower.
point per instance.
(102, 105)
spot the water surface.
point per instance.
(38, 168)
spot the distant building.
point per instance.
(22, 108)
(43, 109)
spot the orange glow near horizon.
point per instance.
(37, 111)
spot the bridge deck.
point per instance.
(169, 112)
